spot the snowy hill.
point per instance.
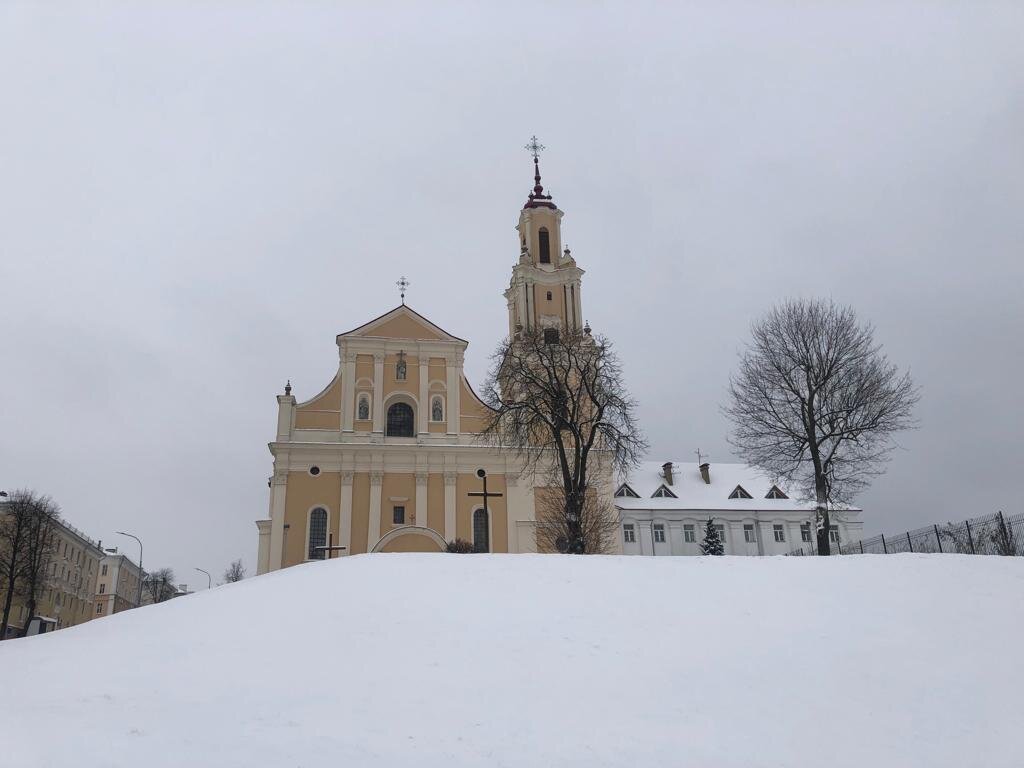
(444, 660)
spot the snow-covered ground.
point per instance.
(491, 660)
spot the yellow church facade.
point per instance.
(386, 458)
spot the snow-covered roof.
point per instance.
(692, 492)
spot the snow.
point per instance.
(693, 493)
(533, 660)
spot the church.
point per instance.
(387, 458)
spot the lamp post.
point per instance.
(209, 579)
(138, 601)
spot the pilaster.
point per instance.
(421, 499)
(345, 515)
(373, 535)
(423, 412)
(348, 391)
(450, 479)
(278, 490)
(378, 393)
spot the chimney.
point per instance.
(666, 469)
(705, 472)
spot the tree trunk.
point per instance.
(8, 600)
(822, 516)
(31, 613)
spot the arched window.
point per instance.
(437, 409)
(401, 421)
(545, 246)
(363, 411)
(481, 532)
(317, 533)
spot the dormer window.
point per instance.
(740, 493)
(775, 493)
(626, 492)
(545, 246)
(663, 493)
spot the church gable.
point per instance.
(401, 323)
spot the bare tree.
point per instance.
(41, 546)
(817, 403)
(558, 401)
(598, 522)
(158, 585)
(28, 538)
(235, 572)
(14, 516)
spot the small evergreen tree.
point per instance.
(712, 544)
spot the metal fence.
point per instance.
(996, 534)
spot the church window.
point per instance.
(437, 408)
(481, 532)
(628, 533)
(398, 515)
(103, 571)
(780, 532)
(805, 532)
(99, 609)
(400, 367)
(721, 532)
(739, 493)
(626, 492)
(549, 295)
(545, 246)
(748, 534)
(550, 335)
(314, 471)
(775, 493)
(400, 420)
(103, 588)
(363, 411)
(833, 534)
(663, 493)
(317, 534)
(689, 534)
(659, 533)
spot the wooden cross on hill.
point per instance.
(330, 547)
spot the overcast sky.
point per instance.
(195, 198)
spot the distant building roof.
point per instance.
(690, 491)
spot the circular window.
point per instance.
(314, 471)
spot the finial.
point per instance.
(288, 387)
(586, 328)
(402, 285)
(537, 198)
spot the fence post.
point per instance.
(862, 546)
(1004, 534)
(970, 538)
(885, 549)
(938, 538)
(909, 542)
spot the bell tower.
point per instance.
(545, 288)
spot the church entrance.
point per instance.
(411, 538)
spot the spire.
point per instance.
(537, 198)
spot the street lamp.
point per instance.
(209, 579)
(138, 602)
